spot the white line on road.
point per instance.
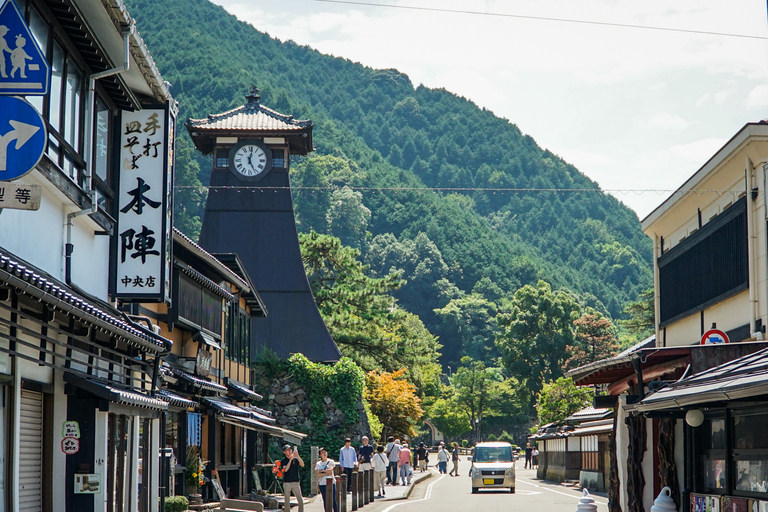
(558, 492)
(426, 496)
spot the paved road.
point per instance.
(445, 493)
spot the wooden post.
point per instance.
(364, 487)
(329, 497)
(314, 457)
(353, 486)
(342, 493)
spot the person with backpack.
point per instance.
(380, 467)
(393, 455)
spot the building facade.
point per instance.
(80, 419)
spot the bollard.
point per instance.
(371, 484)
(314, 457)
(342, 493)
(353, 488)
(360, 485)
(664, 502)
(329, 496)
(586, 503)
(366, 483)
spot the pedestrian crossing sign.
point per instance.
(24, 71)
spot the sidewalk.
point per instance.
(393, 492)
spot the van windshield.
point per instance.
(493, 454)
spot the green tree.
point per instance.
(642, 317)
(449, 417)
(475, 386)
(561, 398)
(468, 324)
(361, 313)
(348, 217)
(536, 334)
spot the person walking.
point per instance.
(364, 455)
(393, 454)
(442, 459)
(421, 454)
(291, 481)
(405, 464)
(528, 455)
(324, 472)
(455, 459)
(348, 461)
(380, 466)
(535, 458)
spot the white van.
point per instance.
(493, 466)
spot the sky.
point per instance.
(633, 109)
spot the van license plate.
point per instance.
(488, 481)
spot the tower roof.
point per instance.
(252, 119)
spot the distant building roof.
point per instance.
(588, 414)
(252, 118)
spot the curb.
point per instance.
(421, 478)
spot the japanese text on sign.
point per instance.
(143, 204)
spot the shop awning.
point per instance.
(176, 400)
(207, 339)
(241, 390)
(114, 394)
(261, 414)
(226, 407)
(198, 381)
(252, 424)
(745, 377)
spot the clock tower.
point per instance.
(250, 212)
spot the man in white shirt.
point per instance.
(348, 460)
(393, 455)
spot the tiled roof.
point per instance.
(224, 406)
(207, 283)
(31, 281)
(252, 116)
(175, 400)
(197, 381)
(242, 389)
(222, 268)
(115, 394)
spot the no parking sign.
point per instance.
(714, 337)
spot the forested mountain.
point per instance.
(385, 149)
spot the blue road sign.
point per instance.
(22, 137)
(23, 68)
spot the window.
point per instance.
(278, 157)
(237, 335)
(734, 456)
(222, 158)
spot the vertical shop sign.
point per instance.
(141, 248)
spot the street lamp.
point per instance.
(477, 430)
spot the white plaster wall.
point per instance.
(648, 469)
(39, 238)
(728, 314)
(622, 435)
(683, 332)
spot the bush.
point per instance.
(464, 443)
(176, 504)
(491, 437)
(506, 437)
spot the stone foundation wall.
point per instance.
(291, 409)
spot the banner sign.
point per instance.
(20, 196)
(142, 247)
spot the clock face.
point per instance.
(250, 160)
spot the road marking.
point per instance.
(559, 492)
(427, 496)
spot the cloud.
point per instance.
(703, 99)
(758, 97)
(666, 121)
(697, 152)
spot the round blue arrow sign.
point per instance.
(22, 137)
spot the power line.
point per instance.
(624, 191)
(543, 18)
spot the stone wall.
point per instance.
(290, 408)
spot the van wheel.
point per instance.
(512, 490)
(474, 490)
